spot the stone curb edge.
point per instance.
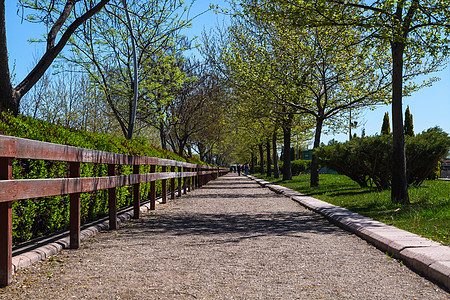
(37, 251)
(426, 257)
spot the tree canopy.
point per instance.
(415, 34)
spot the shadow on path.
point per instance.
(276, 224)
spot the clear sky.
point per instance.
(430, 106)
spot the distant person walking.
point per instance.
(239, 167)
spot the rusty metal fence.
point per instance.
(188, 175)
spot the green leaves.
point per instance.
(36, 217)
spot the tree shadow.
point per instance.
(240, 226)
(232, 196)
(350, 193)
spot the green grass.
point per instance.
(428, 214)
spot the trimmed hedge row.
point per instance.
(38, 217)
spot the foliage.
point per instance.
(101, 48)
(36, 217)
(414, 35)
(428, 214)
(298, 166)
(341, 158)
(367, 158)
(386, 126)
(318, 73)
(62, 19)
(436, 172)
(423, 153)
(408, 127)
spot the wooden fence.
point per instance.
(188, 175)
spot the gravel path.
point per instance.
(230, 239)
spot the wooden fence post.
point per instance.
(185, 181)
(112, 200)
(5, 227)
(197, 185)
(172, 184)
(193, 186)
(189, 185)
(136, 195)
(164, 187)
(152, 190)
(75, 220)
(180, 181)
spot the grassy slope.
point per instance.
(428, 215)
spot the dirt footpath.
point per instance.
(230, 239)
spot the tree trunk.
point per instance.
(399, 191)
(252, 163)
(314, 163)
(287, 173)
(162, 135)
(7, 100)
(276, 170)
(181, 146)
(201, 151)
(269, 163)
(261, 157)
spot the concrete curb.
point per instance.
(426, 257)
(38, 249)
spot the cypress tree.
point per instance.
(408, 127)
(386, 127)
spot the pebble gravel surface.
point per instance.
(231, 239)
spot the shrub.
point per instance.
(369, 159)
(423, 152)
(298, 166)
(341, 157)
(37, 217)
(374, 156)
(436, 172)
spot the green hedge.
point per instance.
(299, 166)
(368, 160)
(38, 217)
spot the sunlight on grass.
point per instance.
(428, 214)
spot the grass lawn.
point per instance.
(428, 214)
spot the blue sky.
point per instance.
(430, 106)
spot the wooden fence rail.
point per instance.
(189, 175)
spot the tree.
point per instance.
(53, 14)
(386, 126)
(68, 98)
(101, 48)
(409, 127)
(257, 115)
(319, 73)
(197, 110)
(413, 33)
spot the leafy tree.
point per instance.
(254, 104)
(197, 109)
(319, 73)
(414, 33)
(409, 127)
(101, 48)
(62, 19)
(386, 126)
